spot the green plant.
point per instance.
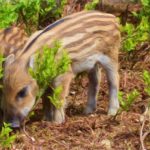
(7, 15)
(47, 67)
(30, 12)
(126, 102)
(55, 98)
(51, 8)
(146, 78)
(6, 139)
(91, 5)
(135, 34)
(13, 11)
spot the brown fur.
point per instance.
(92, 39)
(12, 40)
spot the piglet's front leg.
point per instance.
(51, 113)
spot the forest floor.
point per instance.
(96, 131)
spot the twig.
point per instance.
(27, 135)
(143, 135)
(31, 139)
(60, 143)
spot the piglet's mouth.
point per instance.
(15, 124)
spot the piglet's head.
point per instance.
(19, 91)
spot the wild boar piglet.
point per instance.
(92, 40)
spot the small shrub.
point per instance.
(8, 14)
(126, 102)
(30, 12)
(55, 98)
(91, 5)
(47, 67)
(6, 139)
(136, 34)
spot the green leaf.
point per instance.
(128, 100)
(146, 78)
(48, 66)
(55, 99)
(145, 2)
(91, 5)
(6, 139)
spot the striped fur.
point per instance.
(92, 39)
(12, 40)
(74, 28)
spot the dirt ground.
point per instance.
(96, 131)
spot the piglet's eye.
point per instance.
(22, 93)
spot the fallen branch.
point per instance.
(142, 134)
(32, 139)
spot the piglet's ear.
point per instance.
(9, 59)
